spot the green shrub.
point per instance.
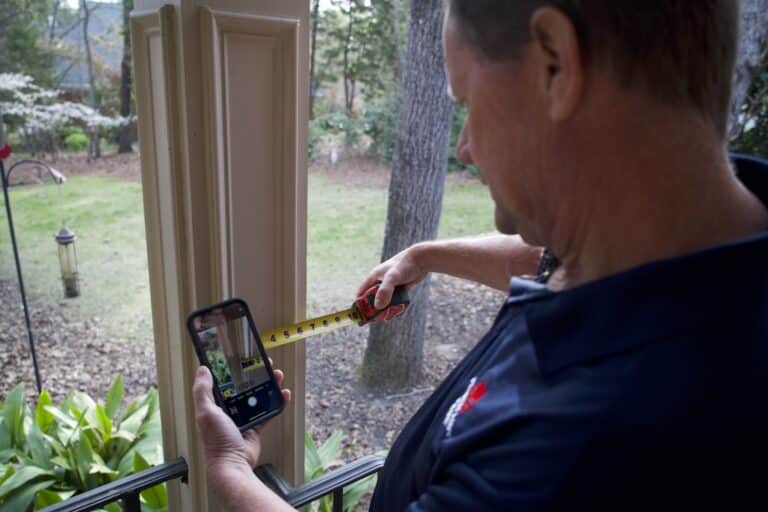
(336, 123)
(55, 452)
(76, 141)
(379, 123)
(319, 460)
(67, 130)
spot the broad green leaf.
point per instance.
(61, 416)
(22, 476)
(6, 473)
(6, 456)
(101, 469)
(130, 409)
(13, 415)
(47, 497)
(156, 497)
(82, 401)
(23, 498)
(115, 397)
(43, 418)
(105, 423)
(355, 491)
(330, 450)
(39, 450)
(83, 459)
(5, 435)
(62, 461)
(313, 466)
(133, 422)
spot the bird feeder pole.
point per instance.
(5, 151)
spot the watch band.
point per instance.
(547, 264)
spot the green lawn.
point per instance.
(346, 229)
(106, 215)
(346, 233)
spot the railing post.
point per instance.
(338, 500)
(132, 502)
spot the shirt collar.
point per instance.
(659, 300)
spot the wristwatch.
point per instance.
(547, 264)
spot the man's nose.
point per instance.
(463, 151)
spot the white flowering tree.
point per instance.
(37, 114)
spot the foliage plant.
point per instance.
(77, 141)
(56, 451)
(318, 460)
(753, 139)
(219, 366)
(37, 113)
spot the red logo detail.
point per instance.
(475, 394)
(5, 152)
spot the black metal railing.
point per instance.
(126, 489)
(332, 482)
(129, 489)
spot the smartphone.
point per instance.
(227, 342)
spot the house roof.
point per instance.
(105, 34)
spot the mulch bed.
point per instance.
(71, 355)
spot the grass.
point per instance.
(346, 232)
(107, 217)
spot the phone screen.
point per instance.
(231, 348)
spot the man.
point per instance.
(636, 377)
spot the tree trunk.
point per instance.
(94, 150)
(754, 31)
(394, 355)
(124, 139)
(396, 14)
(312, 80)
(347, 43)
(54, 21)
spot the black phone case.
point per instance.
(204, 360)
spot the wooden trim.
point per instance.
(156, 70)
(257, 187)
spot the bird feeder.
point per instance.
(68, 262)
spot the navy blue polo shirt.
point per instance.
(647, 390)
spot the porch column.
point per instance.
(222, 89)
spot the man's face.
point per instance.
(500, 133)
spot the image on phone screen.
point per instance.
(229, 345)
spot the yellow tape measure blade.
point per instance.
(311, 327)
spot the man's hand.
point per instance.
(403, 268)
(227, 451)
(491, 260)
(230, 456)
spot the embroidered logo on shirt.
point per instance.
(475, 391)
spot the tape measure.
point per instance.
(361, 313)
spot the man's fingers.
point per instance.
(205, 406)
(202, 389)
(369, 281)
(384, 295)
(279, 376)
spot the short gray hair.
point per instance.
(682, 52)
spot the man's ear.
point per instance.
(558, 59)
